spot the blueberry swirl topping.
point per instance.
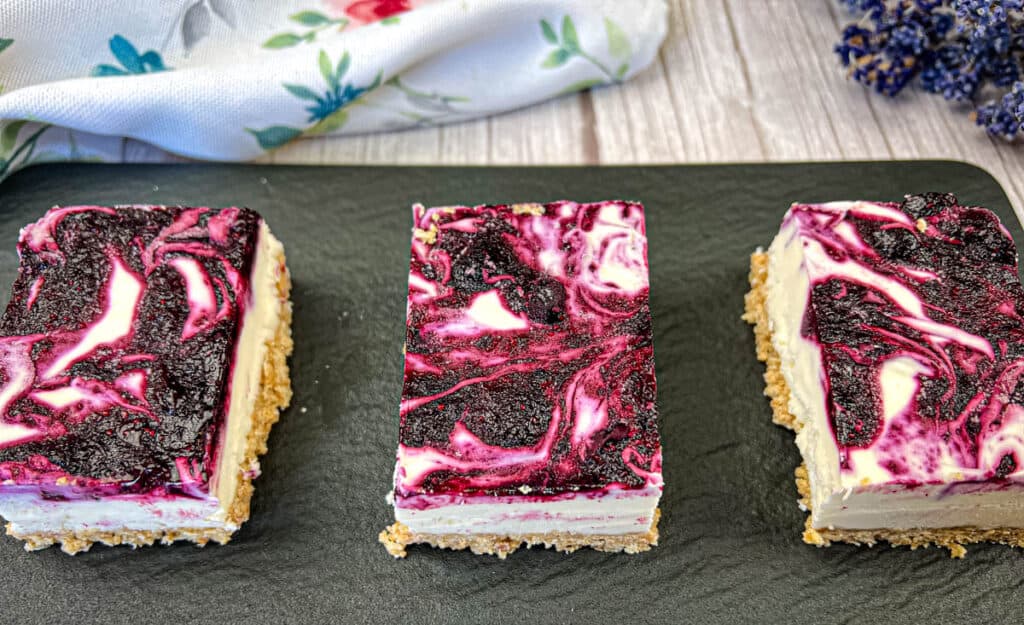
(529, 363)
(916, 309)
(117, 347)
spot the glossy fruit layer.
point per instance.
(117, 347)
(529, 363)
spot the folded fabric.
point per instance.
(230, 79)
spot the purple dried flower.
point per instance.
(957, 48)
(864, 6)
(1005, 117)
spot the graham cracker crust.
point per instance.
(76, 541)
(275, 395)
(952, 538)
(756, 313)
(397, 537)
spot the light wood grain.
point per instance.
(735, 81)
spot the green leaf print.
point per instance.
(12, 152)
(618, 41)
(328, 109)
(302, 92)
(343, 64)
(570, 40)
(569, 46)
(274, 136)
(556, 58)
(329, 124)
(326, 69)
(10, 135)
(548, 32)
(310, 18)
(284, 40)
(314, 20)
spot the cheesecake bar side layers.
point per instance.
(888, 472)
(201, 283)
(261, 388)
(528, 413)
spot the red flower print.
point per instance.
(373, 10)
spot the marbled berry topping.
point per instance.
(117, 348)
(917, 310)
(529, 365)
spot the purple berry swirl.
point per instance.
(915, 309)
(529, 366)
(117, 348)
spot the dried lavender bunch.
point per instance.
(967, 50)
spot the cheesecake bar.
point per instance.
(894, 345)
(142, 365)
(528, 409)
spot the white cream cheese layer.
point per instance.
(864, 497)
(258, 330)
(788, 290)
(29, 513)
(616, 513)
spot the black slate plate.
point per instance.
(730, 533)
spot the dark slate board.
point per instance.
(730, 533)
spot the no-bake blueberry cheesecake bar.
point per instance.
(528, 409)
(894, 346)
(142, 364)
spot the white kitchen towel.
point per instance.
(230, 79)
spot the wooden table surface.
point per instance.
(735, 81)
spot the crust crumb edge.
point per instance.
(397, 537)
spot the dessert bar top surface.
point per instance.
(117, 347)
(917, 310)
(529, 363)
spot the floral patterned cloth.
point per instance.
(230, 79)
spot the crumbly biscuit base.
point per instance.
(756, 313)
(275, 395)
(397, 537)
(952, 538)
(76, 541)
